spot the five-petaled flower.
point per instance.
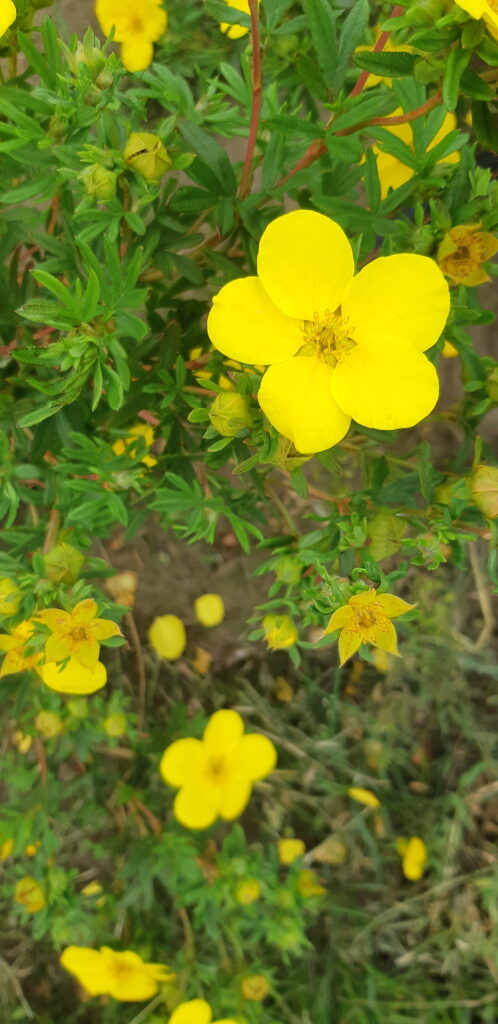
(366, 619)
(236, 31)
(463, 251)
(485, 9)
(29, 894)
(122, 975)
(18, 657)
(77, 634)
(196, 1011)
(391, 170)
(8, 15)
(136, 26)
(338, 346)
(215, 775)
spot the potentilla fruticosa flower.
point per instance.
(18, 656)
(215, 775)
(137, 25)
(77, 634)
(122, 975)
(126, 444)
(338, 346)
(73, 677)
(392, 171)
(8, 15)
(196, 1011)
(366, 619)
(485, 9)
(236, 31)
(462, 253)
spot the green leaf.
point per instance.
(389, 65)
(212, 154)
(114, 388)
(485, 125)
(322, 25)
(455, 66)
(372, 183)
(222, 12)
(92, 295)
(474, 86)
(352, 33)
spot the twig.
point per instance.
(485, 602)
(11, 974)
(245, 181)
(147, 1010)
(379, 45)
(54, 520)
(137, 647)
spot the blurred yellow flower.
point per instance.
(49, 724)
(462, 253)
(137, 27)
(414, 854)
(92, 889)
(29, 894)
(123, 976)
(363, 796)
(10, 595)
(280, 631)
(449, 350)
(366, 619)
(168, 637)
(308, 884)
(32, 848)
(209, 609)
(8, 15)
(6, 848)
(14, 644)
(255, 987)
(236, 31)
(283, 690)
(215, 775)
(73, 677)
(196, 1011)
(22, 741)
(115, 724)
(485, 9)
(290, 849)
(248, 892)
(77, 634)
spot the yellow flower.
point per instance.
(392, 172)
(123, 976)
(462, 253)
(167, 636)
(6, 849)
(8, 15)
(363, 796)
(17, 659)
(22, 741)
(449, 350)
(308, 884)
(73, 677)
(49, 724)
(339, 346)
(290, 849)
(196, 1011)
(280, 631)
(215, 775)
(209, 609)
(485, 9)
(366, 619)
(255, 987)
(414, 854)
(125, 444)
(248, 892)
(32, 848)
(92, 889)
(137, 27)
(76, 635)
(29, 894)
(115, 724)
(236, 31)
(10, 595)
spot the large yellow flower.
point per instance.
(338, 346)
(196, 1011)
(485, 9)
(8, 15)
(17, 658)
(392, 172)
(123, 976)
(366, 619)
(236, 31)
(76, 634)
(215, 775)
(137, 26)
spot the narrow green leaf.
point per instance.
(389, 65)
(352, 33)
(322, 25)
(455, 66)
(212, 154)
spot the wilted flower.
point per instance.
(366, 619)
(10, 597)
(463, 252)
(290, 849)
(308, 885)
(280, 631)
(123, 975)
(29, 894)
(209, 609)
(484, 488)
(126, 444)
(136, 27)
(414, 854)
(146, 155)
(23, 741)
(167, 636)
(255, 987)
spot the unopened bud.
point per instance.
(88, 56)
(146, 155)
(63, 563)
(230, 413)
(280, 631)
(99, 182)
(10, 597)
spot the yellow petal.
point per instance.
(209, 609)
(392, 605)
(339, 619)
(223, 732)
(8, 15)
(449, 124)
(383, 636)
(85, 965)
(255, 757)
(385, 384)
(7, 642)
(305, 262)
(181, 761)
(488, 243)
(85, 611)
(290, 849)
(74, 678)
(414, 859)
(296, 398)
(57, 648)
(392, 173)
(405, 296)
(102, 629)
(234, 797)
(86, 653)
(129, 979)
(197, 805)
(363, 796)
(55, 618)
(349, 642)
(167, 636)
(196, 1011)
(137, 53)
(246, 325)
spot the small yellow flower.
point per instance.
(196, 1011)
(366, 619)
(338, 346)
(215, 775)
(126, 444)
(8, 15)
(146, 155)
(290, 849)
(462, 253)
(280, 631)
(10, 595)
(77, 634)
(6, 848)
(17, 659)
(137, 27)
(92, 889)
(236, 31)
(414, 854)
(49, 724)
(363, 796)
(167, 636)
(248, 892)
(123, 976)
(308, 884)
(29, 894)
(32, 848)
(209, 609)
(115, 724)
(74, 677)
(449, 350)
(255, 987)
(485, 9)
(22, 741)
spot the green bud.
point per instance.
(78, 707)
(87, 56)
(492, 384)
(99, 182)
(424, 72)
(146, 155)
(230, 413)
(286, 456)
(287, 570)
(423, 240)
(63, 563)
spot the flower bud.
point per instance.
(49, 724)
(88, 56)
(78, 707)
(29, 894)
(287, 570)
(255, 987)
(63, 563)
(247, 892)
(115, 724)
(10, 597)
(167, 636)
(230, 413)
(146, 155)
(279, 631)
(290, 849)
(99, 182)
(209, 610)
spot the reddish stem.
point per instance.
(378, 46)
(245, 181)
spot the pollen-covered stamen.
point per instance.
(329, 335)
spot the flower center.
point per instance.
(79, 634)
(217, 769)
(329, 336)
(366, 617)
